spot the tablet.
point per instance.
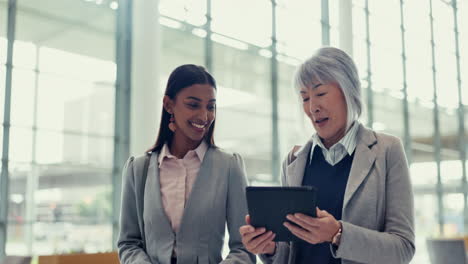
(268, 207)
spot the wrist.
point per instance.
(272, 251)
(337, 237)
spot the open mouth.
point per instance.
(198, 127)
(321, 120)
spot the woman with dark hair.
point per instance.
(177, 198)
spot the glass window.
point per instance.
(450, 153)
(19, 173)
(386, 63)
(244, 101)
(255, 25)
(62, 189)
(334, 17)
(299, 31)
(22, 97)
(445, 55)
(451, 171)
(443, 25)
(427, 226)
(420, 88)
(360, 53)
(100, 70)
(463, 38)
(75, 105)
(453, 214)
(24, 55)
(423, 174)
(76, 149)
(190, 11)
(418, 47)
(175, 41)
(447, 91)
(421, 132)
(17, 241)
(20, 144)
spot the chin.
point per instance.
(323, 136)
(197, 138)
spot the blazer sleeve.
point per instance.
(236, 209)
(396, 243)
(281, 255)
(130, 243)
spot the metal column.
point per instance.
(461, 116)
(437, 143)
(275, 148)
(122, 106)
(4, 176)
(325, 23)
(208, 41)
(406, 124)
(370, 99)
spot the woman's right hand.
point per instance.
(257, 240)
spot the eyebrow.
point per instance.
(199, 100)
(314, 87)
(317, 85)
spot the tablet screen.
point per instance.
(268, 207)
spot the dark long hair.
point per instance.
(180, 78)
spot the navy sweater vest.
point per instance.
(331, 184)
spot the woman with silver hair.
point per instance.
(365, 201)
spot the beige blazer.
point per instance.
(377, 216)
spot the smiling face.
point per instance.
(194, 110)
(325, 105)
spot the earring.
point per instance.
(172, 126)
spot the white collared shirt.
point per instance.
(338, 151)
(176, 179)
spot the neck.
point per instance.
(329, 142)
(181, 144)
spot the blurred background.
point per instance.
(81, 85)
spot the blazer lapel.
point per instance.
(295, 170)
(364, 158)
(153, 207)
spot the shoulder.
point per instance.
(387, 140)
(139, 161)
(296, 151)
(386, 146)
(226, 155)
(377, 141)
(135, 164)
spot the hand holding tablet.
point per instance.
(269, 206)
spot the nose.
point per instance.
(313, 106)
(203, 115)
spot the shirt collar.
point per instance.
(349, 141)
(200, 151)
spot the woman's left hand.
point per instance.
(313, 230)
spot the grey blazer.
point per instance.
(377, 216)
(217, 198)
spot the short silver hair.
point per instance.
(330, 65)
